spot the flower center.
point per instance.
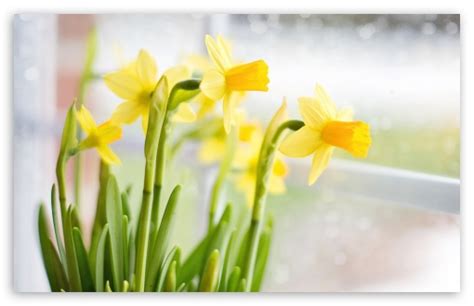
(351, 136)
(248, 77)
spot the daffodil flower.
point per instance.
(135, 84)
(325, 128)
(98, 137)
(213, 148)
(247, 162)
(229, 79)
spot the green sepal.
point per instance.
(183, 91)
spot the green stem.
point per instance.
(265, 162)
(61, 185)
(155, 127)
(224, 168)
(160, 168)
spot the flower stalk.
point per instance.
(265, 162)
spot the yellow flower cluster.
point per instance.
(224, 79)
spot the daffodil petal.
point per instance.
(325, 101)
(123, 84)
(108, 156)
(345, 114)
(211, 150)
(229, 105)
(146, 69)
(321, 159)
(85, 119)
(218, 53)
(206, 105)
(177, 74)
(301, 143)
(127, 112)
(109, 132)
(184, 113)
(213, 84)
(313, 112)
(279, 167)
(276, 185)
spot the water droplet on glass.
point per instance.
(366, 31)
(428, 28)
(451, 28)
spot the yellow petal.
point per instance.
(345, 114)
(353, 136)
(229, 105)
(218, 53)
(177, 74)
(198, 63)
(325, 101)
(248, 77)
(211, 150)
(108, 156)
(279, 167)
(313, 113)
(184, 113)
(301, 143)
(321, 159)
(247, 130)
(127, 112)
(124, 84)
(276, 185)
(85, 119)
(109, 132)
(206, 105)
(213, 84)
(146, 69)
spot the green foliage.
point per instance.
(137, 253)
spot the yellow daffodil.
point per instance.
(213, 148)
(135, 83)
(229, 78)
(98, 137)
(325, 128)
(247, 162)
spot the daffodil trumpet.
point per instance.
(273, 136)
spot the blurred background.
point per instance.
(400, 73)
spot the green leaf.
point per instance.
(71, 256)
(54, 269)
(99, 262)
(125, 246)
(234, 278)
(242, 285)
(100, 218)
(226, 266)
(182, 287)
(162, 239)
(193, 263)
(210, 275)
(262, 256)
(83, 262)
(114, 219)
(174, 255)
(170, 283)
(183, 91)
(56, 223)
(107, 287)
(131, 255)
